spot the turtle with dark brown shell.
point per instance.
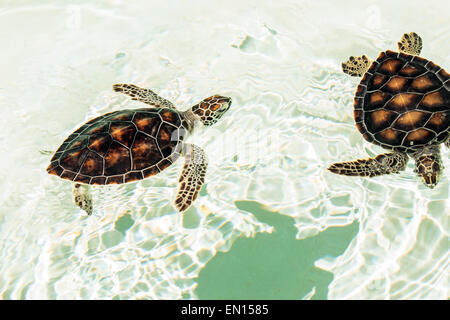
(130, 145)
(401, 104)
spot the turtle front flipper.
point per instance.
(143, 95)
(429, 166)
(192, 176)
(356, 66)
(82, 197)
(410, 43)
(447, 142)
(386, 163)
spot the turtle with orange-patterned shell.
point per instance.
(130, 145)
(401, 104)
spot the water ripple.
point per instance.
(291, 117)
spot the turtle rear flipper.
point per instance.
(410, 43)
(356, 66)
(82, 197)
(143, 95)
(192, 176)
(386, 163)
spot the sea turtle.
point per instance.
(129, 145)
(402, 104)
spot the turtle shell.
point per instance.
(403, 102)
(120, 147)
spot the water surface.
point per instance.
(291, 117)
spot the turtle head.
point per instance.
(428, 168)
(211, 109)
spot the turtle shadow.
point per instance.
(273, 266)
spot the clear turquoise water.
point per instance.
(270, 222)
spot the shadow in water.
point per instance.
(273, 266)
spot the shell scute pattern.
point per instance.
(120, 147)
(403, 102)
(144, 148)
(100, 143)
(123, 132)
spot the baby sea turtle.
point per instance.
(130, 145)
(402, 104)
